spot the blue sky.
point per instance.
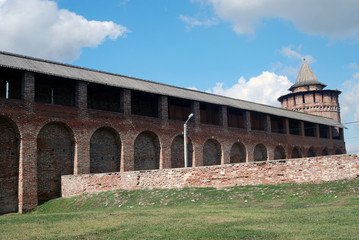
(250, 50)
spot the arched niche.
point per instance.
(238, 153)
(296, 153)
(325, 152)
(260, 153)
(147, 151)
(105, 151)
(312, 152)
(212, 153)
(279, 153)
(177, 152)
(55, 157)
(9, 165)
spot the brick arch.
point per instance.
(9, 165)
(260, 153)
(212, 153)
(55, 157)
(338, 151)
(147, 151)
(279, 153)
(177, 152)
(296, 153)
(238, 153)
(325, 152)
(312, 152)
(105, 151)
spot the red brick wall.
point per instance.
(177, 152)
(212, 153)
(9, 166)
(65, 133)
(105, 151)
(55, 153)
(147, 151)
(326, 103)
(303, 170)
(238, 153)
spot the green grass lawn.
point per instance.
(285, 211)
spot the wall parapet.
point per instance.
(301, 170)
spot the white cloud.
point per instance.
(290, 53)
(265, 88)
(353, 66)
(334, 18)
(194, 22)
(39, 28)
(124, 2)
(193, 88)
(350, 100)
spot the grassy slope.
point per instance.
(285, 211)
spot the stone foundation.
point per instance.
(303, 170)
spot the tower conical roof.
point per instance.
(306, 77)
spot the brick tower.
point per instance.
(309, 96)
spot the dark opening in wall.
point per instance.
(144, 104)
(178, 109)
(209, 113)
(312, 152)
(9, 165)
(309, 129)
(279, 153)
(338, 151)
(212, 153)
(54, 90)
(277, 124)
(235, 117)
(324, 131)
(55, 157)
(10, 83)
(325, 152)
(294, 127)
(238, 153)
(260, 153)
(177, 152)
(258, 121)
(105, 151)
(147, 151)
(297, 153)
(104, 97)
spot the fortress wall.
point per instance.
(52, 126)
(303, 170)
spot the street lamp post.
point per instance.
(185, 141)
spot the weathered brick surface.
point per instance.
(9, 150)
(323, 103)
(55, 153)
(105, 151)
(316, 170)
(42, 141)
